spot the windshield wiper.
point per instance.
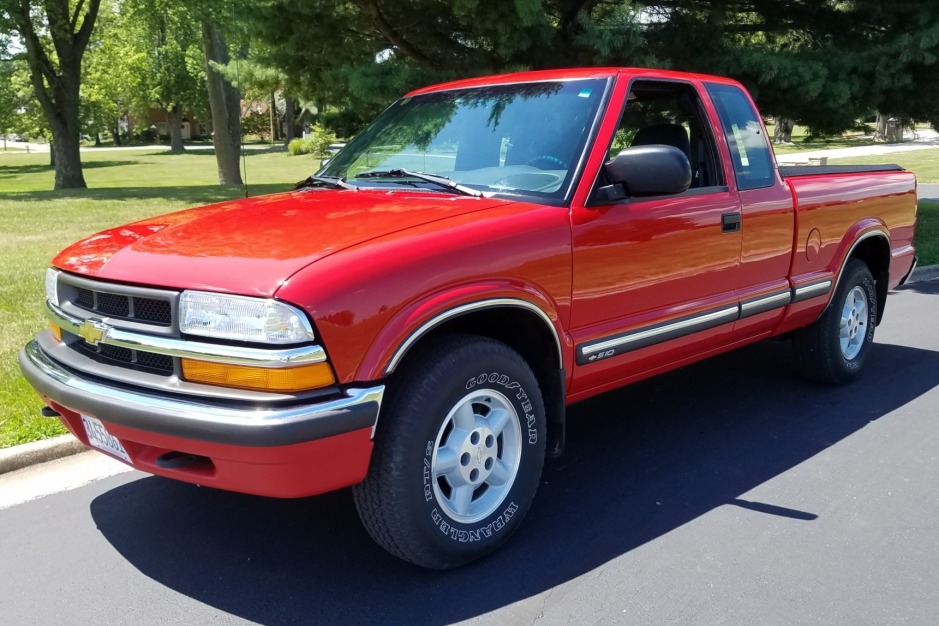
(441, 181)
(324, 181)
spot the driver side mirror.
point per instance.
(653, 170)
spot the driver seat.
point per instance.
(664, 134)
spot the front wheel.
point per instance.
(834, 348)
(458, 453)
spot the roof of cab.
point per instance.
(568, 74)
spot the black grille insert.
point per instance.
(146, 310)
(115, 355)
(113, 304)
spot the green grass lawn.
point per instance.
(927, 233)
(36, 223)
(923, 163)
(802, 142)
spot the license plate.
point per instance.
(99, 437)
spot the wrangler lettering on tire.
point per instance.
(458, 453)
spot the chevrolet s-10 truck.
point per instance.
(414, 319)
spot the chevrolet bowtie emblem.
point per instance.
(93, 331)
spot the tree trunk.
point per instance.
(289, 115)
(65, 147)
(98, 139)
(880, 132)
(273, 113)
(174, 121)
(225, 103)
(783, 132)
(116, 133)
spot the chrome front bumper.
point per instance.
(242, 424)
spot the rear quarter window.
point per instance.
(753, 164)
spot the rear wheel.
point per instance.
(458, 453)
(834, 348)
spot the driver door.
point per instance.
(654, 277)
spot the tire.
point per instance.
(834, 348)
(458, 453)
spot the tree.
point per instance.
(10, 99)
(114, 85)
(55, 36)
(821, 63)
(173, 76)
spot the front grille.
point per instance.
(115, 355)
(147, 310)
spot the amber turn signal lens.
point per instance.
(286, 379)
(56, 332)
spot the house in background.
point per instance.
(192, 126)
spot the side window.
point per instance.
(753, 164)
(670, 113)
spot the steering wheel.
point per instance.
(547, 162)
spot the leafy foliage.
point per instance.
(824, 63)
(316, 142)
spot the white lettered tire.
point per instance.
(458, 453)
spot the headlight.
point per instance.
(52, 286)
(241, 318)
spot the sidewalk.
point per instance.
(925, 139)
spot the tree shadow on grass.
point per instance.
(210, 150)
(8, 171)
(641, 462)
(194, 194)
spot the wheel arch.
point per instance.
(472, 315)
(872, 247)
(522, 325)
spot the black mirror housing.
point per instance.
(653, 170)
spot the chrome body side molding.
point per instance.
(812, 290)
(765, 303)
(657, 333)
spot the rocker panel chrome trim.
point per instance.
(765, 303)
(650, 335)
(804, 292)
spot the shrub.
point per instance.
(316, 143)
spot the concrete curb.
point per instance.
(922, 274)
(18, 457)
(24, 455)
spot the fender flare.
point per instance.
(398, 355)
(875, 231)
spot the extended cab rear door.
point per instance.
(654, 278)
(767, 212)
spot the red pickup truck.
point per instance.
(414, 319)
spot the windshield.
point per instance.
(519, 139)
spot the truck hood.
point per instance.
(252, 246)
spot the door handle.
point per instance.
(730, 222)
